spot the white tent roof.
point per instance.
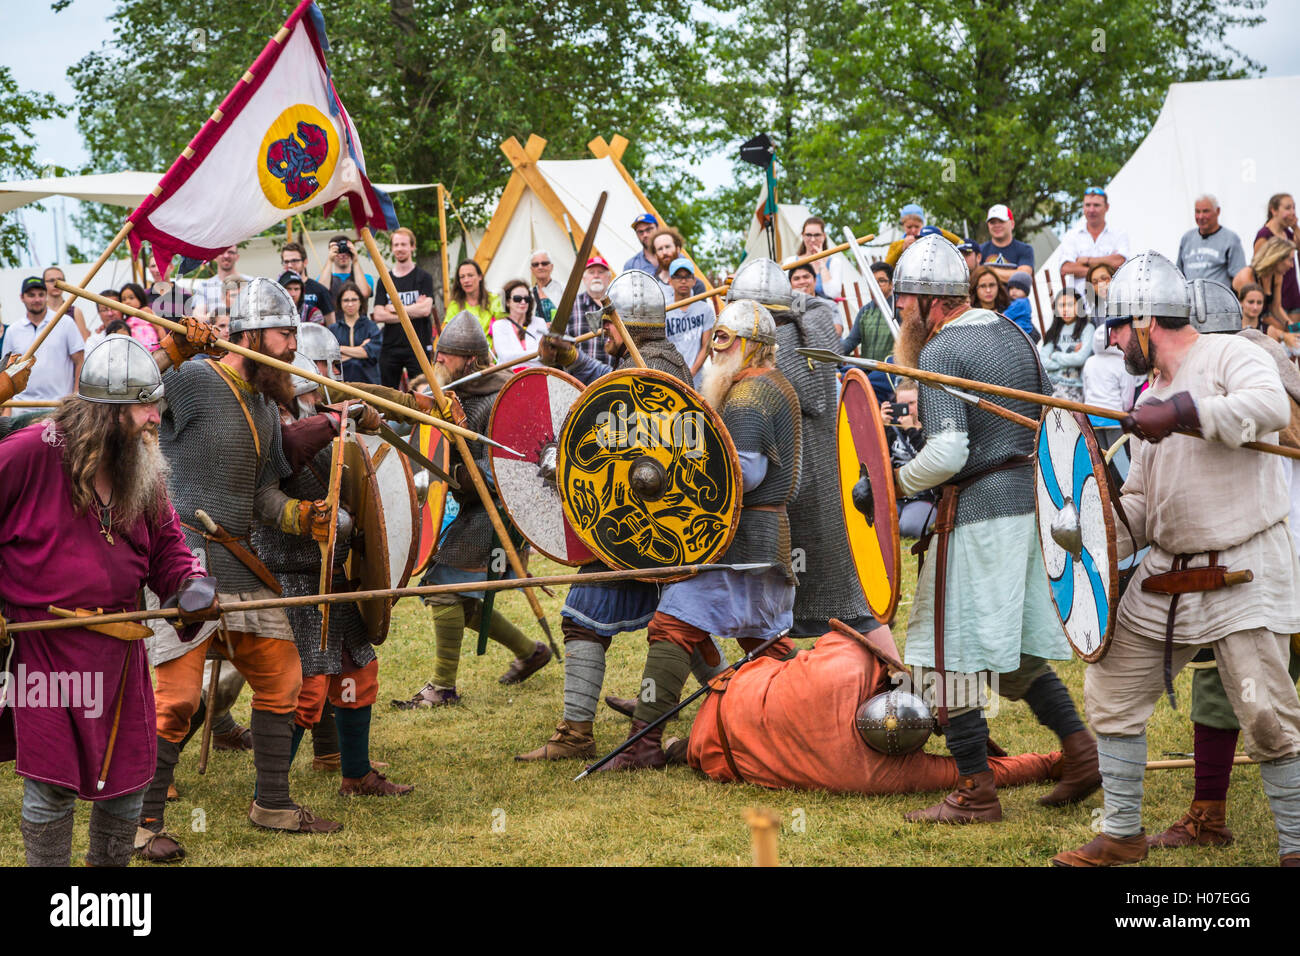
(1220, 137)
(577, 184)
(116, 189)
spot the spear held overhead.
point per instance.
(939, 379)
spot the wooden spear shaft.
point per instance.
(1237, 761)
(937, 378)
(303, 600)
(72, 297)
(442, 238)
(345, 388)
(813, 257)
(462, 448)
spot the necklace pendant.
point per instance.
(108, 536)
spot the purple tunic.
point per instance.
(50, 554)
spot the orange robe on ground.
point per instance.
(790, 724)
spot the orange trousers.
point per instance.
(271, 667)
(350, 690)
(665, 627)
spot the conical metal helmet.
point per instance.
(748, 319)
(301, 385)
(263, 304)
(639, 300)
(120, 371)
(763, 281)
(463, 336)
(932, 266)
(1213, 307)
(319, 345)
(1146, 286)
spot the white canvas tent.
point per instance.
(1220, 137)
(547, 204)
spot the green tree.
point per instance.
(19, 110)
(958, 104)
(433, 87)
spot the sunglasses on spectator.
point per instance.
(539, 264)
(1095, 191)
(519, 298)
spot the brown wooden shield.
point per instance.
(873, 539)
(528, 415)
(368, 562)
(647, 473)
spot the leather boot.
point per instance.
(974, 801)
(373, 784)
(646, 754)
(160, 847)
(620, 705)
(237, 738)
(1080, 776)
(573, 738)
(522, 668)
(1205, 824)
(1289, 860)
(1106, 850)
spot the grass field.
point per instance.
(474, 805)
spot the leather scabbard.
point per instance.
(1188, 580)
(247, 558)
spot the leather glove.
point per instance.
(199, 337)
(312, 518)
(415, 401)
(12, 383)
(197, 600)
(1158, 419)
(554, 352)
(367, 419)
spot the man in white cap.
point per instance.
(1003, 252)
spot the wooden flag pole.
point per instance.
(442, 235)
(345, 388)
(471, 466)
(72, 296)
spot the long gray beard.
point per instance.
(442, 375)
(718, 377)
(141, 482)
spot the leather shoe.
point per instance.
(1080, 777)
(1204, 824)
(1289, 860)
(237, 738)
(373, 784)
(974, 801)
(429, 696)
(622, 705)
(646, 754)
(522, 668)
(158, 847)
(1106, 850)
(296, 820)
(572, 738)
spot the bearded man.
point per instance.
(221, 433)
(466, 548)
(1195, 504)
(828, 583)
(348, 661)
(982, 608)
(760, 410)
(593, 614)
(85, 523)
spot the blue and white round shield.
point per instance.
(1076, 528)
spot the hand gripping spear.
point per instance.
(719, 681)
(938, 380)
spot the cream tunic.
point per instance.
(1188, 496)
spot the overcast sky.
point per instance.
(39, 46)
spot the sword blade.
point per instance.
(411, 452)
(570, 296)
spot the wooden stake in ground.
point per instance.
(462, 449)
(344, 388)
(764, 825)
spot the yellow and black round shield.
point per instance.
(647, 473)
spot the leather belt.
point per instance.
(775, 509)
(720, 690)
(1180, 580)
(245, 556)
(944, 523)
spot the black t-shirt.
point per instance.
(313, 293)
(410, 287)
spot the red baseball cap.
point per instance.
(597, 261)
(1000, 211)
